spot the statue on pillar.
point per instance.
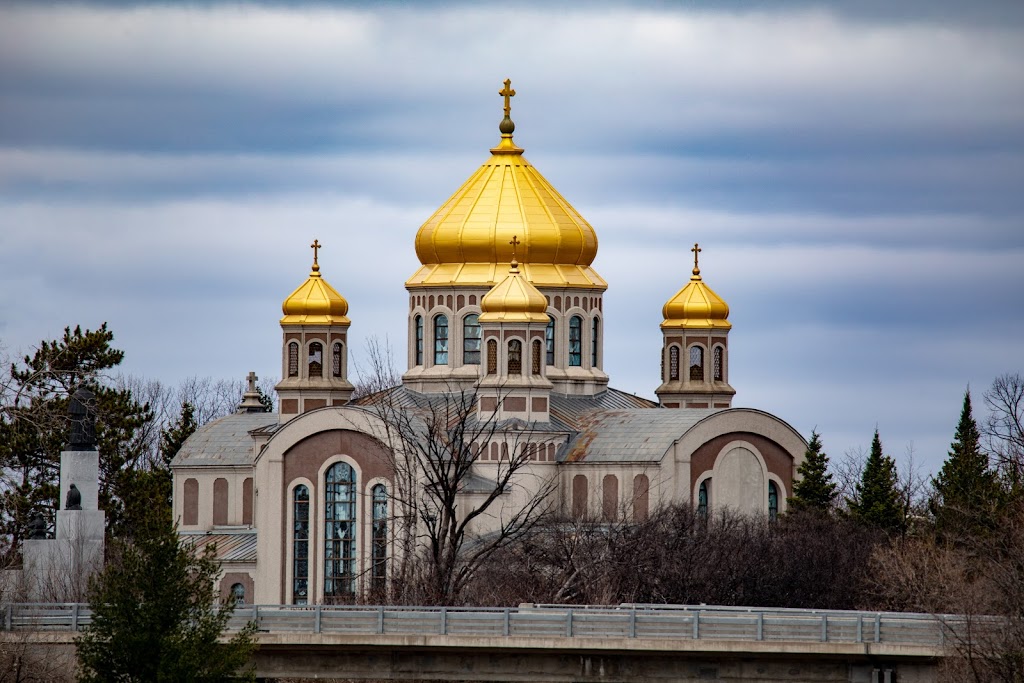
(73, 501)
(36, 526)
(82, 411)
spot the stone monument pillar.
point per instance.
(59, 568)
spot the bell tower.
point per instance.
(695, 347)
(314, 346)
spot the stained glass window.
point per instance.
(441, 340)
(576, 341)
(593, 342)
(300, 545)
(419, 340)
(379, 540)
(549, 340)
(773, 501)
(702, 499)
(339, 533)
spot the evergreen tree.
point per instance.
(878, 501)
(154, 617)
(34, 427)
(815, 490)
(966, 488)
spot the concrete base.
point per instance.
(58, 569)
(81, 468)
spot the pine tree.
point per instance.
(154, 617)
(966, 489)
(878, 501)
(815, 490)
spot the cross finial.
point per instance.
(507, 92)
(251, 378)
(316, 249)
(515, 243)
(696, 250)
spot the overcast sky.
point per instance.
(854, 174)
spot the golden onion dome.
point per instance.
(514, 300)
(315, 302)
(696, 305)
(466, 240)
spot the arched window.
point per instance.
(379, 540)
(419, 340)
(575, 341)
(293, 359)
(594, 328)
(610, 497)
(441, 340)
(579, 496)
(719, 375)
(336, 360)
(535, 358)
(316, 359)
(549, 339)
(339, 533)
(515, 357)
(641, 497)
(471, 339)
(697, 363)
(702, 499)
(190, 515)
(673, 362)
(492, 357)
(773, 501)
(300, 545)
(238, 593)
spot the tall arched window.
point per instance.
(339, 533)
(336, 360)
(702, 499)
(300, 545)
(579, 496)
(549, 340)
(419, 340)
(773, 501)
(441, 340)
(379, 540)
(535, 357)
(515, 357)
(697, 362)
(719, 374)
(594, 328)
(316, 359)
(471, 339)
(673, 362)
(492, 357)
(576, 341)
(238, 593)
(293, 359)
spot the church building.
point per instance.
(506, 307)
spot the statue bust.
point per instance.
(36, 527)
(82, 414)
(73, 501)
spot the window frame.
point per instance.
(441, 342)
(575, 355)
(468, 341)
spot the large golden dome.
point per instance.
(466, 241)
(315, 302)
(514, 300)
(696, 305)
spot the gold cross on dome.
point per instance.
(316, 248)
(507, 92)
(696, 250)
(515, 243)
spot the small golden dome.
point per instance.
(315, 302)
(514, 300)
(696, 305)
(466, 240)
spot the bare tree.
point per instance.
(1004, 428)
(453, 510)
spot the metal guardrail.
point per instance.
(627, 621)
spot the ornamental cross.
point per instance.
(251, 377)
(316, 248)
(696, 250)
(507, 92)
(515, 243)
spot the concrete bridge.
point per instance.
(632, 643)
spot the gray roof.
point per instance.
(224, 441)
(629, 435)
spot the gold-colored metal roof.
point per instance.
(696, 305)
(465, 242)
(514, 299)
(315, 302)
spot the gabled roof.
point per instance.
(225, 441)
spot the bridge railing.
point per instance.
(628, 621)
